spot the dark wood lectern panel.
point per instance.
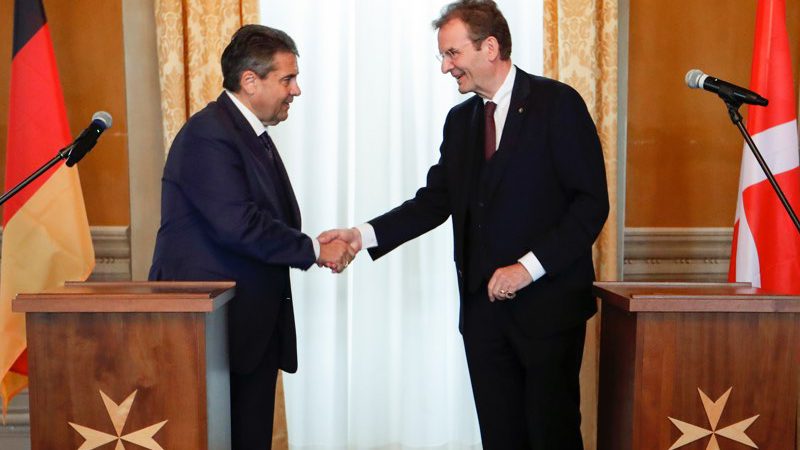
(658, 360)
(168, 379)
(715, 352)
(142, 365)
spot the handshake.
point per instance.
(338, 247)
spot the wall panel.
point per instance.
(683, 154)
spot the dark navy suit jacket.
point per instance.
(547, 194)
(224, 216)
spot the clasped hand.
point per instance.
(338, 248)
(335, 255)
(506, 281)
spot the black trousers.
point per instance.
(526, 389)
(253, 402)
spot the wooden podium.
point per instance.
(132, 363)
(685, 364)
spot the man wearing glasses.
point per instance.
(521, 173)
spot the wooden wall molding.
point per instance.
(677, 254)
(112, 252)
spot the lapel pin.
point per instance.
(520, 110)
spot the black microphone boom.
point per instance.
(101, 121)
(73, 153)
(734, 96)
(696, 79)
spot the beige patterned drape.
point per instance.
(191, 37)
(581, 50)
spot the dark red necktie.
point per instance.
(489, 130)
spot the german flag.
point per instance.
(46, 238)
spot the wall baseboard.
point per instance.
(15, 434)
(112, 248)
(677, 254)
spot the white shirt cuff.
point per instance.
(532, 265)
(315, 243)
(368, 238)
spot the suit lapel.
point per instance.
(244, 132)
(272, 185)
(517, 110)
(291, 199)
(473, 152)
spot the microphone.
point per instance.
(696, 79)
(101, 121)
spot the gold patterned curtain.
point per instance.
(191, 37)
(580, 49)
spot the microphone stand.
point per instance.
(736, 118)
(62, 154)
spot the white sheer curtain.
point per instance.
(382, 364)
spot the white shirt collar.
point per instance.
(505, 89)
(258, 127)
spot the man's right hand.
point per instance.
(335, 254)
(350, 235)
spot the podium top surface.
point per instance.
(136, 296)
(694, 297)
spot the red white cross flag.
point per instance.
(766, 245)
(46, 238)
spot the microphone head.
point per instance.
(103, 119)
(693, 78)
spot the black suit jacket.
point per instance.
(224, 216)
(547, 194)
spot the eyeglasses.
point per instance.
(452, 53)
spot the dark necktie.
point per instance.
(285, 192)
(489, 138)
(269, 146)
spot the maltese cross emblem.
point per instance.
(119, 415)
(735, 432)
